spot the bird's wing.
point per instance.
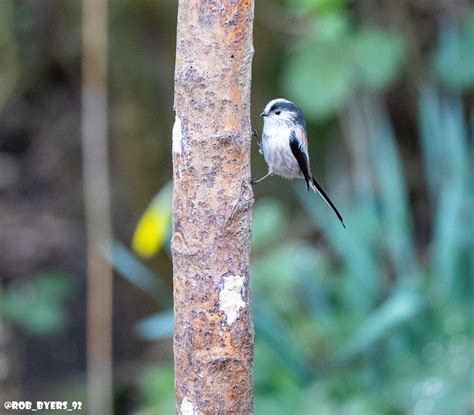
(299, 148)
(300, 134)
(298, 145)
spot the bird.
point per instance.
(284, 146)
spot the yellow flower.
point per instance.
(154, 225)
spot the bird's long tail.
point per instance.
(318, 189)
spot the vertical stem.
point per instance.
(97, 206)
(212, 200)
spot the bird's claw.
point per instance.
(254, 133)
(252, 180)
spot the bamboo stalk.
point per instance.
(97, 207)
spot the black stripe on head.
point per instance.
(284, 105)
(289, 106)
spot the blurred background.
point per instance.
(373, 319)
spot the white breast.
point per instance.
(277, 152)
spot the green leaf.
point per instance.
(158, 326)
(356, 245)
(325, 70)
(403, 305)
(444, 141)
(453, 61)
(320, 77)
(280, 271)
(37, 305)
(321, 6)
(277, 334)
(331, 26)
(377, 56)
(430, 124)
(130, 268)
(451, 222)
(269, 223)
(393, 196)
(157, 386)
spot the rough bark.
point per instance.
(212, 199)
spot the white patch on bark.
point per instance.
(177, 136)
(230, 297)
(187, 407)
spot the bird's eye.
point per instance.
(278, 112)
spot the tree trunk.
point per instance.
(212, 199)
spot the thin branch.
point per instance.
(97, 207)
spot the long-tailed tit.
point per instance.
(284, 146)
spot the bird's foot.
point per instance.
(254, 133)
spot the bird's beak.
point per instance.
(263, 114)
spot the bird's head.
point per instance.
(282, 112)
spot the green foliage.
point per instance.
(157, 326)
(270, 216)
(381, 337)
(335, 60)
(137, 274)
(377, 57)
(445, 147)
(157, 386)
(379, 329)
(321, 6)
(37, 305)
(454, 59)
(399, 308)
